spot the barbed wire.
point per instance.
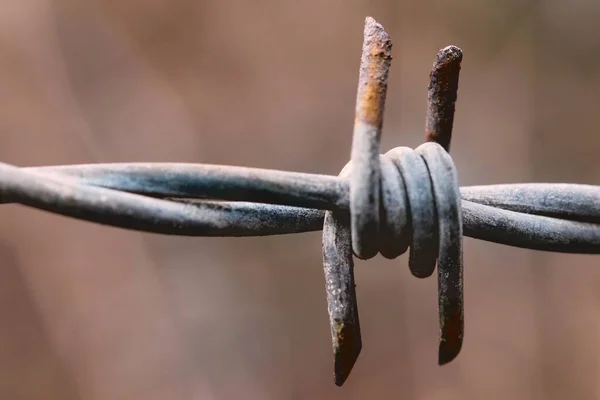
(403, 200)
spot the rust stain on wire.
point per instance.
(441, 99)
(442, 93)
(370, 103)
(373, 74)
(402, 200)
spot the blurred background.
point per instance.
(91, 312)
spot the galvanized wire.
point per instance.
(185, 200)
(402, 200)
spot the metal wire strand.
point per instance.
(403, 200)
(450, 257)
(287, 202)
(338, 267)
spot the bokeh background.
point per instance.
(91, 312)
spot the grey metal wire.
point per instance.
(179, 199)
(387, 203)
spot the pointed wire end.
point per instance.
(375, 64)
(442, 94)
(448, 55)
(346, 352)
(452, 328)
(374, 28)
(449, 350)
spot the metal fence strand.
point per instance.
(530, 231)
(208, 181)
(565, 201)
(133, 211)
(388, 204)
(522, 229)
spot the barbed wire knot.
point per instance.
(403, 200)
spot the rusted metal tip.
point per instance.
(449, 54)
(442, 94)
(346, 352)
(373, 28)
(375, 64)
(448, 351)
(340, 287)
(452, 333)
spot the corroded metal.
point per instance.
(387, 203)
(370, 101)
(442, 93)
(340, 288)
(450, 257)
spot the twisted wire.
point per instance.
(229, 201)
(403, 200)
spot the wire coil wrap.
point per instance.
(220, 201)
(403, 200)
(419, 205)
(209, 200)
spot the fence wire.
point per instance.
(403, 200)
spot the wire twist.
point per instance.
(404, 199)
(419, 206)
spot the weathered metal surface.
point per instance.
(402, 200)
(370, 102)
(442, 93)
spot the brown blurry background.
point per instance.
(91, 312)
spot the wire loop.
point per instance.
(387, 203)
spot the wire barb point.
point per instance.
(442, 95)
(448, 351)
(347, 350)
(340, 287)
(403, 199)
(375, 63)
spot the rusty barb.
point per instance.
(403, 200)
